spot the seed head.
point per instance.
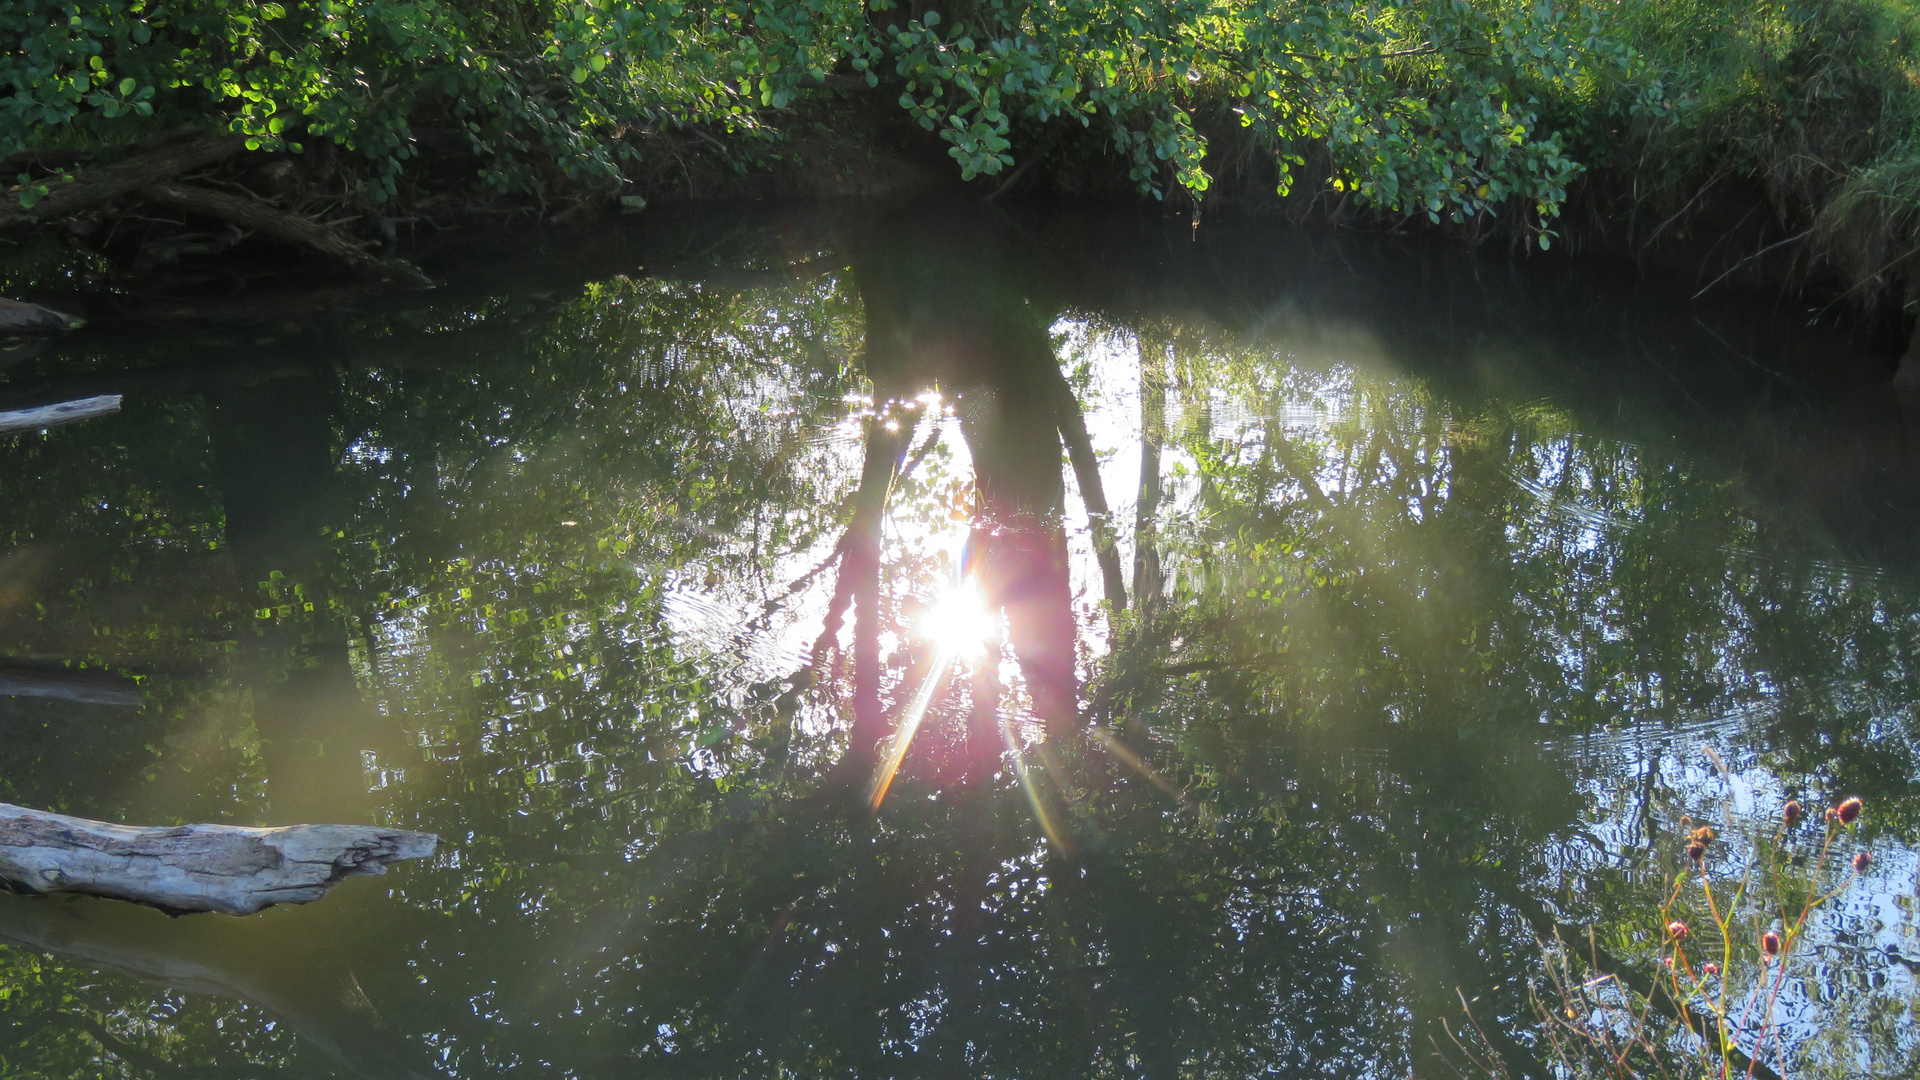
(1770, 943)
(1696, 851)
(1710, 969)
(1848, 812)
(1792, 813)
(1861, 861)
(1677, 930)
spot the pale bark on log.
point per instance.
(288, 228)
(66, 412)
(108, 182)
(224, 868)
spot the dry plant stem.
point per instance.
(1768, 1028)
(1727, 1029)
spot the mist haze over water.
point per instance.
(1446, 587)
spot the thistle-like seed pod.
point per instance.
(1848, 812)
(1861, 861)
(1770, 943)
(1792, 813)
(1676, 930)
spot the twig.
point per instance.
(1013, 178)
(1748, 259)
(1704, 188)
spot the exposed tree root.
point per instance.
(152, 176)
(108, 182)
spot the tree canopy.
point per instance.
(1415, 106)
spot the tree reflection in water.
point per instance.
(1432, 601)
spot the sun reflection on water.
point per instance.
(959, 625)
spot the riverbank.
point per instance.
(1735, 145)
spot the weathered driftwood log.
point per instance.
(87, 687)
(66, 412)
(184, 868)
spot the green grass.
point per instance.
(1813, 106)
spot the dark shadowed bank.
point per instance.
(1751, 143)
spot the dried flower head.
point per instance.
(1792, 812)
(1710, 969)
(1770, 943)
(1696, 851)
(1676, 930)
(1848, 812)
(1861, 861)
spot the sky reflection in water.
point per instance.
(1445, 577)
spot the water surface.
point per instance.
(1424, 585)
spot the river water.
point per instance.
(723, 591)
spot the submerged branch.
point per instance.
(287, 228)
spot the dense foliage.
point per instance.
(1420, 106)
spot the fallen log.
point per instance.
(20, 317)
(92, 187)
(184, 868)
(65, 412)
(86, 687)
(288, 228)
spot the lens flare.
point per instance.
(960, 624)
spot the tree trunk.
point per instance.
(1086, 473)
(183, 868)
(1153, 434)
